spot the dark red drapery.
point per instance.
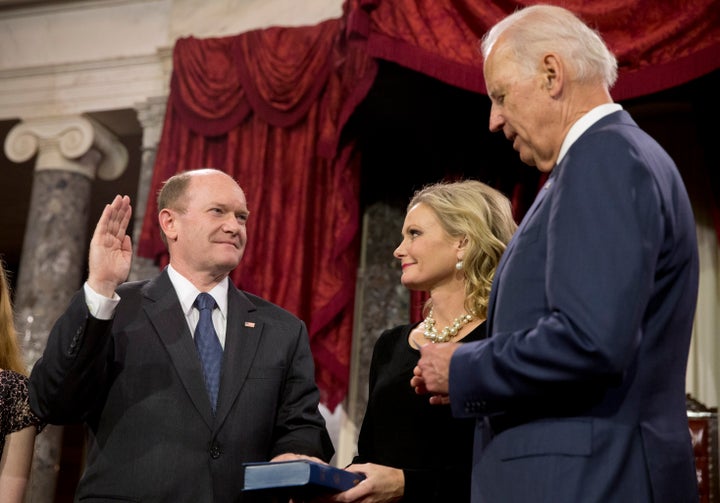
(268, 107)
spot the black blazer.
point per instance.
(137, 382)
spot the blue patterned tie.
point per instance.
(208, 346)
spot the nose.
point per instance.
(232, 224)
(399, 252)
(496, 120)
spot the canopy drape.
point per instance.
(268, 107)
(658, 44)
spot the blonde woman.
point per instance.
(410, 450)
(18, 425)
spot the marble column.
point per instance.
(71, 151)
(151, 115)
(381, 302)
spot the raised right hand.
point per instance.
(111, 248)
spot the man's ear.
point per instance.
(553, 73)
(167, 223)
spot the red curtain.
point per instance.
(268, 107)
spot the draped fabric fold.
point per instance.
(284, 70)
(428, 36)
(277, 73)
(205, 90)
(658, 44)
(268, 107)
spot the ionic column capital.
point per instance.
(68, 143)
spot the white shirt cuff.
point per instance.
(101, 307)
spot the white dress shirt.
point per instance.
(103, 308)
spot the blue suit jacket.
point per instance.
(580, 389)
(137, 382)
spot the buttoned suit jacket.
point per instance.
(137, 382)
(580, 389)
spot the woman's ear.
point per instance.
(461, 245)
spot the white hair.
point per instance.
(533, 31)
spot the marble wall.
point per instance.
(382, 301)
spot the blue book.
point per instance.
(299, 476)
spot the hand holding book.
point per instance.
(300, 477)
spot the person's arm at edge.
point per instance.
(16, 463)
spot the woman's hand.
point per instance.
(381, 484)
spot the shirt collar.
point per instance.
(583, 123)
(187, 292)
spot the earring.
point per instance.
(459, 265)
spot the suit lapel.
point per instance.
(165, 314)
(511, 246)
(241, 344)
(619, 117)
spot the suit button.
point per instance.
(215, 450)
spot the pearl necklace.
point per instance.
(448, 332)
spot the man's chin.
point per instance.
(528, 159)
(230, 263)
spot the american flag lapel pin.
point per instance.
(250, 324)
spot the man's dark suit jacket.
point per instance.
(582, 381)
(137, 382)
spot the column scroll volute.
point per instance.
(64, 143)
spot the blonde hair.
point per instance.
(483, 216)
(10, 356)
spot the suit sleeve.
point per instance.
(299, 426)
(604, 230)
(70, 378)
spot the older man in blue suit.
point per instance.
(580, 389)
